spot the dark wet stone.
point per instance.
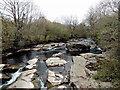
(76, 47)
(10, 69)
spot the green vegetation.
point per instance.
(104, 30)
(33, 33)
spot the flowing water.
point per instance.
(42, 69)
(20, 59)
(14, 77)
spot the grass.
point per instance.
(110, 72)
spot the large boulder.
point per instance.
(55, 61)
(78, 47)
(84, 45)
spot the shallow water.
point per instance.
(42, 69)
(20, 59)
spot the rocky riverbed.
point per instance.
(53, 66)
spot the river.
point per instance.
(20, 60)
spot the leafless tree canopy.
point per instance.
(71, 21)
(108, 7)
(104, 8)
(16, 10)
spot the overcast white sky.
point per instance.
(55, 9)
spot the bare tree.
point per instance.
(92, 18)
(108, 7)
(16, 10)
(104, 8)
(71, 21)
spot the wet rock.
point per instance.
(27, 78)
(55, 61)
(78, 47)
(2, 66)
(38, 46)
(10, 69)
(62, 87)
(49, 46)
(22, 84)
(4, 76)
(55, 79)
(33, 61)
(91, 61)
(36, 49)
(29, 67)
(79, 74)
(84, 45)
(62, 71)
(57, 54)
(96, 50)
(28, 72)
(23, 50)
(78, 68)
(24, 81)
(90, 55)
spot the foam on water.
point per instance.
(14, 77)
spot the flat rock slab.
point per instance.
(55, 79)
(78, 74)
(55, 61)
(28, 72)
(33, 61)
(78, 68)
(22, 84)
(24, 80)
